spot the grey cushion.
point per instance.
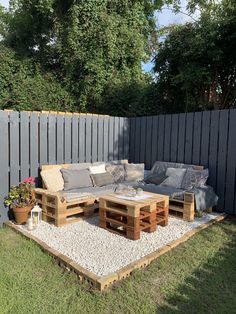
(98, 190)
(101, 179)
(165, 190)
(117, 171)
(74, 178)
(174, 177)
(195, 178)
(155, 179)
(134, 172)
(160, 167)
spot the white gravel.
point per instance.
(103, 252)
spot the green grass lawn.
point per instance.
(199, 276)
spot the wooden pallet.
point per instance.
(58, 211)
(129, 218)
(185, 207)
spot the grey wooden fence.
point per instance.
(28, 140)
(202, 138)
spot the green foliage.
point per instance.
(196, 64)
(25, 86)
(94, 45)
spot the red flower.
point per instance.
(30, 180)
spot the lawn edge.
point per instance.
(103, 282)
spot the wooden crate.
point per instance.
(129, 218)
(58, 211)
(185, 207)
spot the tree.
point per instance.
(92, 46)
(196, 64)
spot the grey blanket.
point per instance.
(205, 197)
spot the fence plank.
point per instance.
(43, 139)
(14, 149)
(100, 138)
(34, 156)
(231, 165)
(4, 163)
(88, 139)
(213, 151)
(75, 139)
(197, 126)
(155, 125)
(24, 145)
(121, 139)
(222, 157)
(167, 132)
(111, 138)
(174, 137)
(67, 148)
(137, 140)
(181, 137)
(81, 138)
(106, 138)
(161, 132)
(60, 139)
(132, 138)
(205, 138)
(51, 139)
(116, 139)
(142, 139)
(189, 139)
(94, 138)
(148, 150)
(126, 138)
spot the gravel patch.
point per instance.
(102, 252)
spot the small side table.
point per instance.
(130, 217)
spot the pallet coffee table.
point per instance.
(129, 216)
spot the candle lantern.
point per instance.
(36, 215)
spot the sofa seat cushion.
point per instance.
(96, 190)
(165, 190)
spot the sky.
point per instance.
(164, 18)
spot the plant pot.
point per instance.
(21, 214)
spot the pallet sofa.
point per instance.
(60, 209)
(190, 195)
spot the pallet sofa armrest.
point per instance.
(189, 197)
(43, 196)
(189, 206)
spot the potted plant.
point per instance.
(21, 199)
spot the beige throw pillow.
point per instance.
(53, 179)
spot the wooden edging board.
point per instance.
(103, 282)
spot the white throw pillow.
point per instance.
(97, 169)
(53, 179)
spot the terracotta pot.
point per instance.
(21, 214)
